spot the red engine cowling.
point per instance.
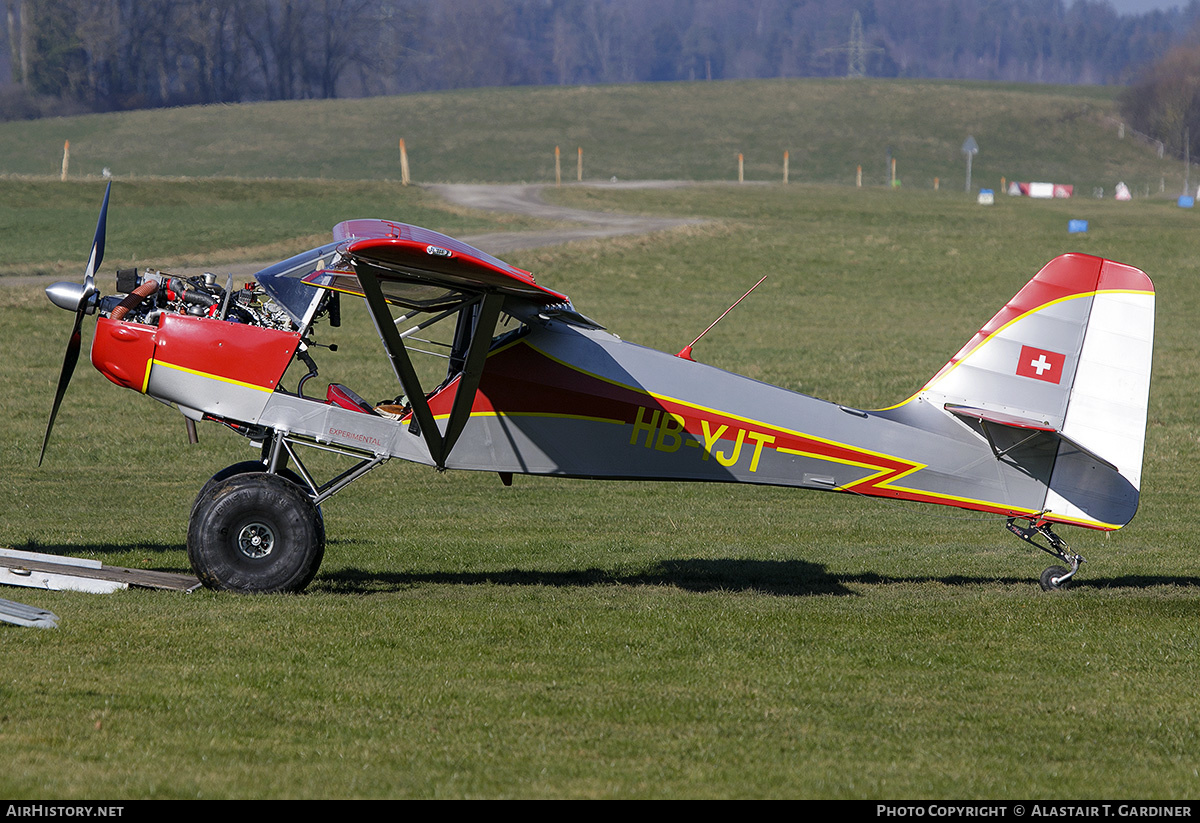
(123, 351)
(233, 354)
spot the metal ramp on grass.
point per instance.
(22, 615)
(49, 571)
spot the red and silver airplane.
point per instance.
(1040, 418)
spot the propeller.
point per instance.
(81, 299)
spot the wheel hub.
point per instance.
(256, 540)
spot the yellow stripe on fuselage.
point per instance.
(207, 375)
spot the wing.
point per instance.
(423, 269)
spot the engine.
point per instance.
(149, 295)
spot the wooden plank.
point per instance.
(48, 571)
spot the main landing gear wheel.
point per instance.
(255, 533)
(246, 467)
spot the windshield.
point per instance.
(284, 282)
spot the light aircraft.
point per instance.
(1039, 418)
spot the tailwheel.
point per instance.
(1055, 577)
(255, 533)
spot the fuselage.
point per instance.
(558, 398)
(581, 402)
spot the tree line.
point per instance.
(1165, 103)
(103, 55)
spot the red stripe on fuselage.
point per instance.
(521, 381)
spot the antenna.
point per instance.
(686, 352)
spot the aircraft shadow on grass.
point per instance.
(787, 578)
(777, 578)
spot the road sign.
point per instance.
(970, 148)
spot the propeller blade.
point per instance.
(64, 377)
(86, 293)
(97, 245)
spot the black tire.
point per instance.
(255, 533)
(247, 467)
(1048, 577)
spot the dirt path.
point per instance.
(527, 200)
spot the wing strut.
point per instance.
(487, 316)
(468, 381)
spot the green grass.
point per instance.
(588, 639)
(580, 639)
(692, 131)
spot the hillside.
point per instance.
(691, 131)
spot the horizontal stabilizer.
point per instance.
(1000, 418)
(1013, 421)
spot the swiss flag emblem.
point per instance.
(1041, 364)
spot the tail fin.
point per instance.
(1069, 356)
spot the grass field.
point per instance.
(673, 131)
(577, 639)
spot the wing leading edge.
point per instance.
(425, 259)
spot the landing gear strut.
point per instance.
(1055, 577)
